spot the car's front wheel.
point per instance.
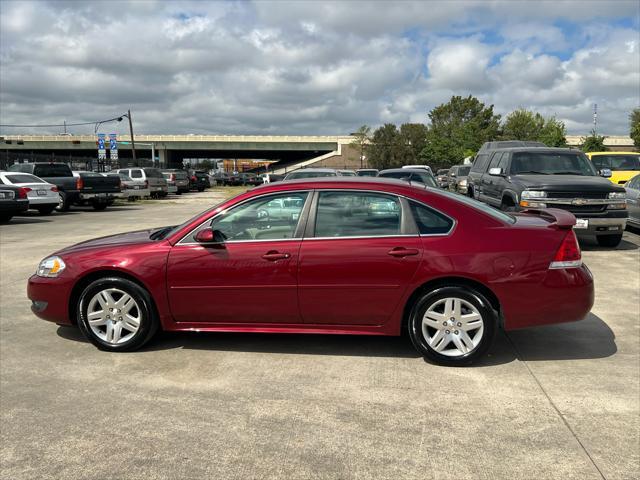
(116, 314)
(452, 326)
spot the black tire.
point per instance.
(5, 218)
(611, 241)
(468, 295)
(149, 323)
(98, 206)
(201, 189)
(64, 204)
(506, 207)
(46, 210)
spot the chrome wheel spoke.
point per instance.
(131, 323)
(434, 319)
(97, 318)
(439, 341)
(465, 339)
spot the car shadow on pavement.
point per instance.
(588, 339)
(23, 220)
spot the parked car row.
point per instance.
(46, 187)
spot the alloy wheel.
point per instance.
(114, 316)
(452, 327)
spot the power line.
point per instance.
(118, 118)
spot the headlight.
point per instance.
(527, 194)
(51, 267)
(617, 195)
(463, 183)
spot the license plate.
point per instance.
(42, 193)
(136, 187)
(581, 223)
(102, 195)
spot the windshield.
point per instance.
(294, 175)
(550, 163)
(464, 171)
(617, 162)
(52, 170)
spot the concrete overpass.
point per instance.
(171, 150)
(289, 152)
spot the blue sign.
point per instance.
(113, 146)
(102, 152)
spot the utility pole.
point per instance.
(595, 118)
(133, 144)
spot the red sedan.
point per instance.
(349, 256)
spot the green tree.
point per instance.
(634, 124)
(412, 140)
(523, 124)
(457, 127)
(362, 140)
(384, 151)
(553, 133)
(593, 143)
(205, 165)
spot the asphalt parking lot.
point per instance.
(556, 402)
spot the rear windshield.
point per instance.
(153, 172)
(617, 162)
(52, 170)
(551, 163)
(483, 207)
(23, 178)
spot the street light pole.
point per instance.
(133, 143)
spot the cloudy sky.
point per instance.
(310, 67)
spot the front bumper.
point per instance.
(50, 298)
(602, 226)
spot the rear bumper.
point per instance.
(602, 226)
(564, 295)
(101, 197)
(13, 207)
(50, 298)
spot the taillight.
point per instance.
(194, 179)
(22, 192)
(173, 177)
(568, 255)
(146, 184)
(54, 189)
(79, 183)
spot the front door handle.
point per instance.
(403, 252)
(273, 256)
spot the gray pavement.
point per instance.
(559, 402)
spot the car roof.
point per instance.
(612, 153)
(313, 170)
(403, 170)
(537, 150)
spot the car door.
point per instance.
(249, 278)
(633, 199)
(491, 183)
(360, 251)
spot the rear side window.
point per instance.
(429, 221)
(23, 178)
(355, 214)
(136, 173)
(52, 170)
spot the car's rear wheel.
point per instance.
(609, 240)
(100, 206)
(116, 314)
(63, 202)
(452, 326)
(5, 218)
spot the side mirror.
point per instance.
(453, 175)
(496, 171)
(605, 172)
(210, 237)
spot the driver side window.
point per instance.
(272, 217)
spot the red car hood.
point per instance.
(130, 238)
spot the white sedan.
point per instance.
(43, 196)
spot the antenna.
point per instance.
(595, 118)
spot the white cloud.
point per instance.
(313, 67)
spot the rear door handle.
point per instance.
(403, 252)
(272, 256)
